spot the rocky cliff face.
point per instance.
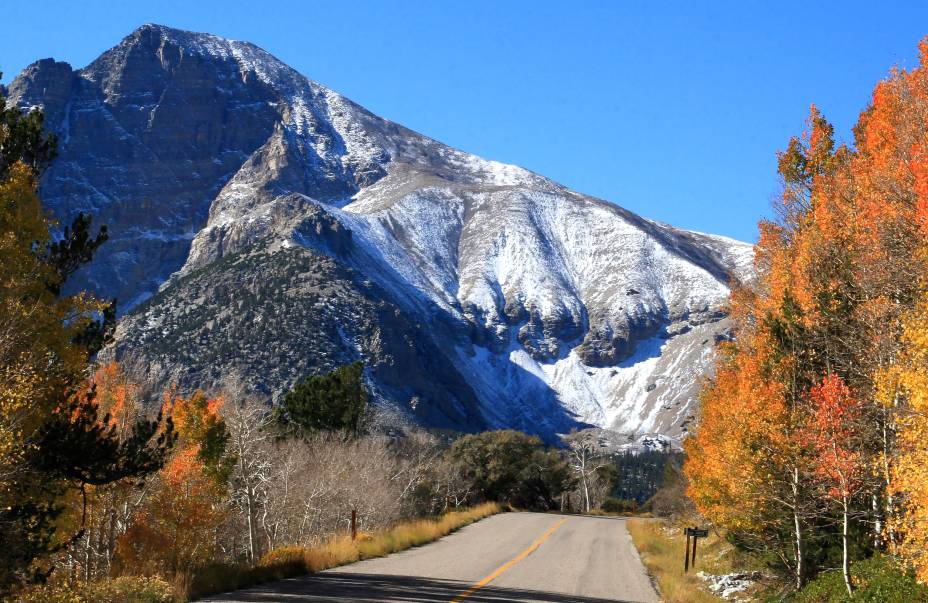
(264, 225)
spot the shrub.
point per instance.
(510, 467)
(619, 505)
(288, 555)
(878, 580)
(212, 578)
(125, 589)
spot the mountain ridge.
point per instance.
(541, 308)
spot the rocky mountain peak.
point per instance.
(266, 226)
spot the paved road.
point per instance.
(508, 558)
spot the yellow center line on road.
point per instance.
(503, 568)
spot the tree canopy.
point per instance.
(805, 427)
(335, 401)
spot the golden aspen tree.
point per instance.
(908, 378)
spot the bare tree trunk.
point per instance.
(888, 503)
(586, 494)
(846, 564)
(583, 450)
(87, 558)
(252, 536)
(88, 543)
(877, 520)
(111, 538)
(799, 548)
(797, 526)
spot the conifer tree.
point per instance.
(335, 401)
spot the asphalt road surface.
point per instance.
(507, 558)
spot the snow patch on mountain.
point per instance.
(540, 307)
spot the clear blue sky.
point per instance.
(673, 110)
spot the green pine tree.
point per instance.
(336, 401)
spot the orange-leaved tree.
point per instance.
(838, 271)
(840, 456)
(109, 506)
(175, 528)
(754, 411)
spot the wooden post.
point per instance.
(354, 524)
(695, 539)
(696, 533)
(686, 556)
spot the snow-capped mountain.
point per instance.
(265, 226)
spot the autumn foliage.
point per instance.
(811, 445)
(904, 386)
(174, 528)
(833, 430)
(57, 443)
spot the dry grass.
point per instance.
(125, 589)
(629, 514)
(662, 548)
(341, 550)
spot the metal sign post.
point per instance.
(696, 533)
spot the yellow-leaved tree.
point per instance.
(53, 442)
(41, 349)
(908, 380)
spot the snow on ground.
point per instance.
(620, 397)
(730, 586)
(485, 250)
